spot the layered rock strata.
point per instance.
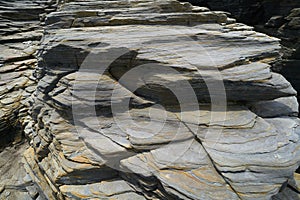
(20, 32)
(155, 100)
(251, 12)
(287, 28)
(279, 18)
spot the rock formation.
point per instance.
(287, 28)
(278, 18)
(21, 33)
(251, 12)
(141, 100)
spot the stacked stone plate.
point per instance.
(158, 100)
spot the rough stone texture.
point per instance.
(19, 37)
(251, 12)
(279, 18)
(78, 150)
(287, 28)
(20, 33)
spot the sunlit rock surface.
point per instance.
(211, 120)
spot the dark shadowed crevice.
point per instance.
(12, 134)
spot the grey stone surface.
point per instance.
(286, 106)
(278, 18)
(82, 142)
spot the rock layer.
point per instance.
(211, 121)
(251, 12)
(279, 18)
(21, 33)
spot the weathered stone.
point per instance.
(250, 12)
(279, 18)
(286, 106)
(143, 100)
(116, 189)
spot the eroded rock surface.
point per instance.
(278, 18)
(211, 121)
(21, 33)
(251, 12)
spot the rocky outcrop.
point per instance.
(252, 12)
(19, 36)
(153, 100)
(279, 18)
(21, 33)
(287, 28)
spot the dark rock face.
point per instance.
(287, 28)
(251, 12)
(289, 32)
(143, 100)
